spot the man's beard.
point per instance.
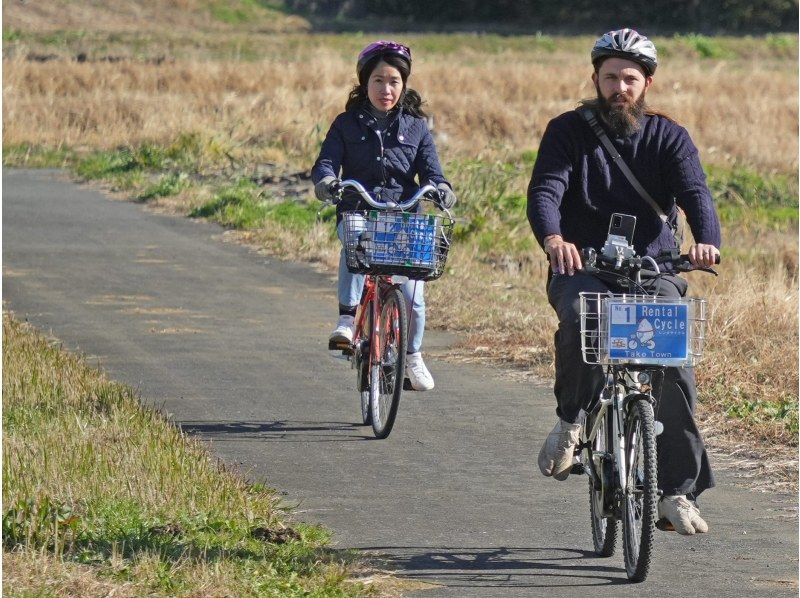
(624, 120)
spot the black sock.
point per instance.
(347, 310)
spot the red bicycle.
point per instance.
(390, 245)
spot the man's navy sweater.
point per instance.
(576, 187)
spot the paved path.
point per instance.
(232, 344)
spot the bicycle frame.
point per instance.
(613, 410)
(370, 304)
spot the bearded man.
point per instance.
(575, 188)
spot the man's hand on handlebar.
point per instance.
(703, 255)
(564, 257)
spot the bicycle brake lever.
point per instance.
(336, 190)
(688, 267)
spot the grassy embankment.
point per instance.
(189, 132)
(129, 506)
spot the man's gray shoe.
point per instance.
(683, 516)
(555, 458)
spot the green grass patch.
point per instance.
(705, 47)
(781, 42)
(492, 204)
(151, 170)
(168, 184)
(758, 411)
(241, 12)
(101, 165)
(234, 15)
(32, 156)
(240, 205)
(744, 196)
(528, 158)
(253, 20)
(12, 35)
(244, 206)
(299, 216)
(91, 478)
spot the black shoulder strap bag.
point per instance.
(589, 117)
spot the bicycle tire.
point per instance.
(366, 413)
(386, 376)
(604, 527)
(361, 357)
(639, 503)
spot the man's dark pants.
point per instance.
(683, 466)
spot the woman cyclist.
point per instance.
(381, 140)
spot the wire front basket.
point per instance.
(412, 245)
(641, 329)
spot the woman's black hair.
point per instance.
(410, 100)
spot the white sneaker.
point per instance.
(555, 456)
(682, 514)
(343, 335)
(417, 373)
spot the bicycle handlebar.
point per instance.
(593, 260)
(383, 205)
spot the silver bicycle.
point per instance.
(634, 336)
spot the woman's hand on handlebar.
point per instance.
(702, 255)
(447, 198)
(564, 257)
(327, 189)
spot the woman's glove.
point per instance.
(324, 189)
(447, 199)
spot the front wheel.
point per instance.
(361, 357)
(388, 362)
(641, 494)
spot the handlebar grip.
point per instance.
(685, 258)
(683, 264)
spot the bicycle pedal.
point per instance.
(577, 469)
(407, 384)
(343, 346)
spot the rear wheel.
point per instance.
(641, 496)
(366, 415)
(388, 368)
(601, 490)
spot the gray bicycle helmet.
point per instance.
(628, 44)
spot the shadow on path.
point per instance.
(279, 430)
(500, 567)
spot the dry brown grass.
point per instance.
(131, 16)
(485, 105)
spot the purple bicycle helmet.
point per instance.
(628, 44)
(382, 48)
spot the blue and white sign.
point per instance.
(402, 239)
(648, 332)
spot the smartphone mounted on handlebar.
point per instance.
(618, 255)
(619, 243)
